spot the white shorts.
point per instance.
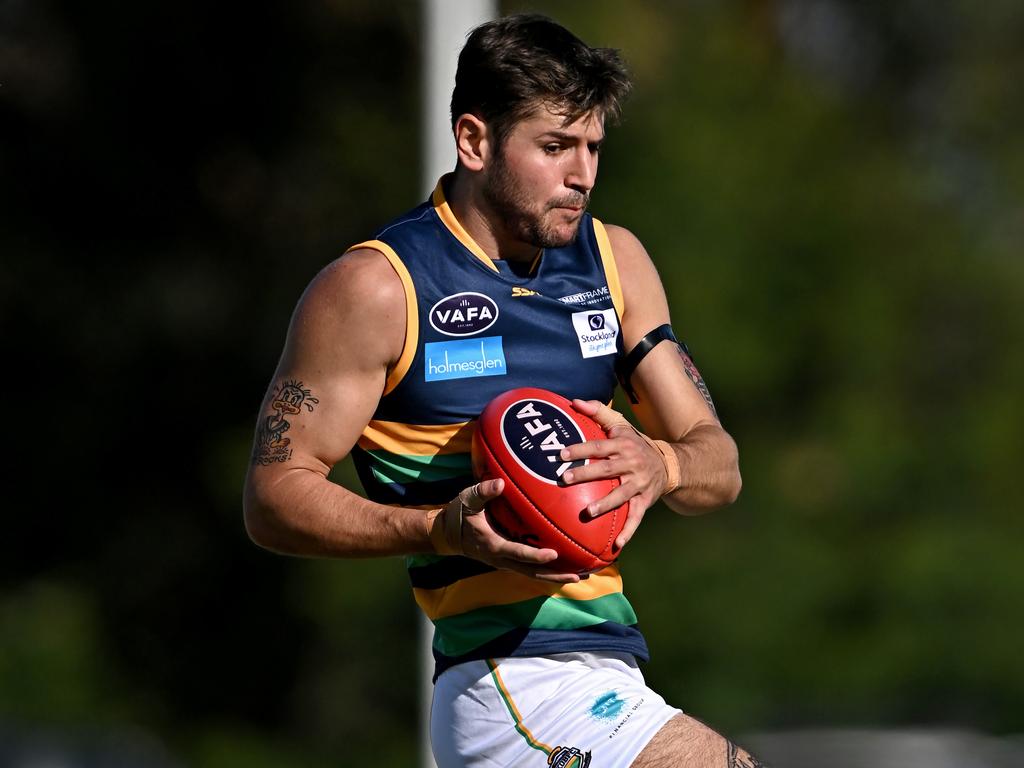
(560, 711)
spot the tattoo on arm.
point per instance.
(271, 444)
(697, 379)
(740, 758)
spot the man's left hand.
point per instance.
(626, 455)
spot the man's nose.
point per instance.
(582, 173)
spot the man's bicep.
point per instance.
(342, 338)
(312, 417)
(673, 398)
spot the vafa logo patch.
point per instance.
(463, 314)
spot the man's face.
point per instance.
(538, 183)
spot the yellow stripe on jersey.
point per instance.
(417, 439)
(449, 220)
(412, 319)
(611, 271)
(506, 587)
(535, 262)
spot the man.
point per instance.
(497, 282)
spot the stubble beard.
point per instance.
(517, 212)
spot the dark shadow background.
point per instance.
(832, 193)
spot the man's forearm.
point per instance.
(709, 471)
(300, 512)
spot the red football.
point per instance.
(519, 437)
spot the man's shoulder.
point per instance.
(643, 292)
(355, 308)
(630, 254)
(361, 277)
(622, 239)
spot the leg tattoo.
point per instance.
(740, 758)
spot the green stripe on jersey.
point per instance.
(460, 634)
(415, 561)
(401, 468)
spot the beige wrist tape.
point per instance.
(609, 418)
(671, 463)
(444, 527)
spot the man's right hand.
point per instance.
(481, 542)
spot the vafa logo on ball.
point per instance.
(463, 314)
(535, 432)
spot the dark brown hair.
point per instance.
(514, 65)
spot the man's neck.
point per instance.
(472, 212)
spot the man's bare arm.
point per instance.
(673, 407)
(345, 336)
(347, 330)
(675, 404)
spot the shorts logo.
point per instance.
(463, 314)
(607, 706)
(467, 358)
(596, 331)
(569, 757)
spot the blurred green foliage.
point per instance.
(831, 192)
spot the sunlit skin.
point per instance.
(530, 192)
(348, 334)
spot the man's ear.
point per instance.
(473, 141)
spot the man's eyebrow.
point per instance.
(566, 136)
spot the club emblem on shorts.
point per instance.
(568, 757)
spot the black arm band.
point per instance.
(624, 366)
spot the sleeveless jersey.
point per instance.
(474, 329)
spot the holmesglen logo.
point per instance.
(463, 359)
(463, 314)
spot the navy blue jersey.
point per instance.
(475, 329)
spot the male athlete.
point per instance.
(500, 280)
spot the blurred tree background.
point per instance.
(832, 192)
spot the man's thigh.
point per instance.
(683, 741)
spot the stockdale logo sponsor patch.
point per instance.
(596, 331)
(463, 314)
(464, 359)
(535, 432)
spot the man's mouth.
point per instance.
(575, 205)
